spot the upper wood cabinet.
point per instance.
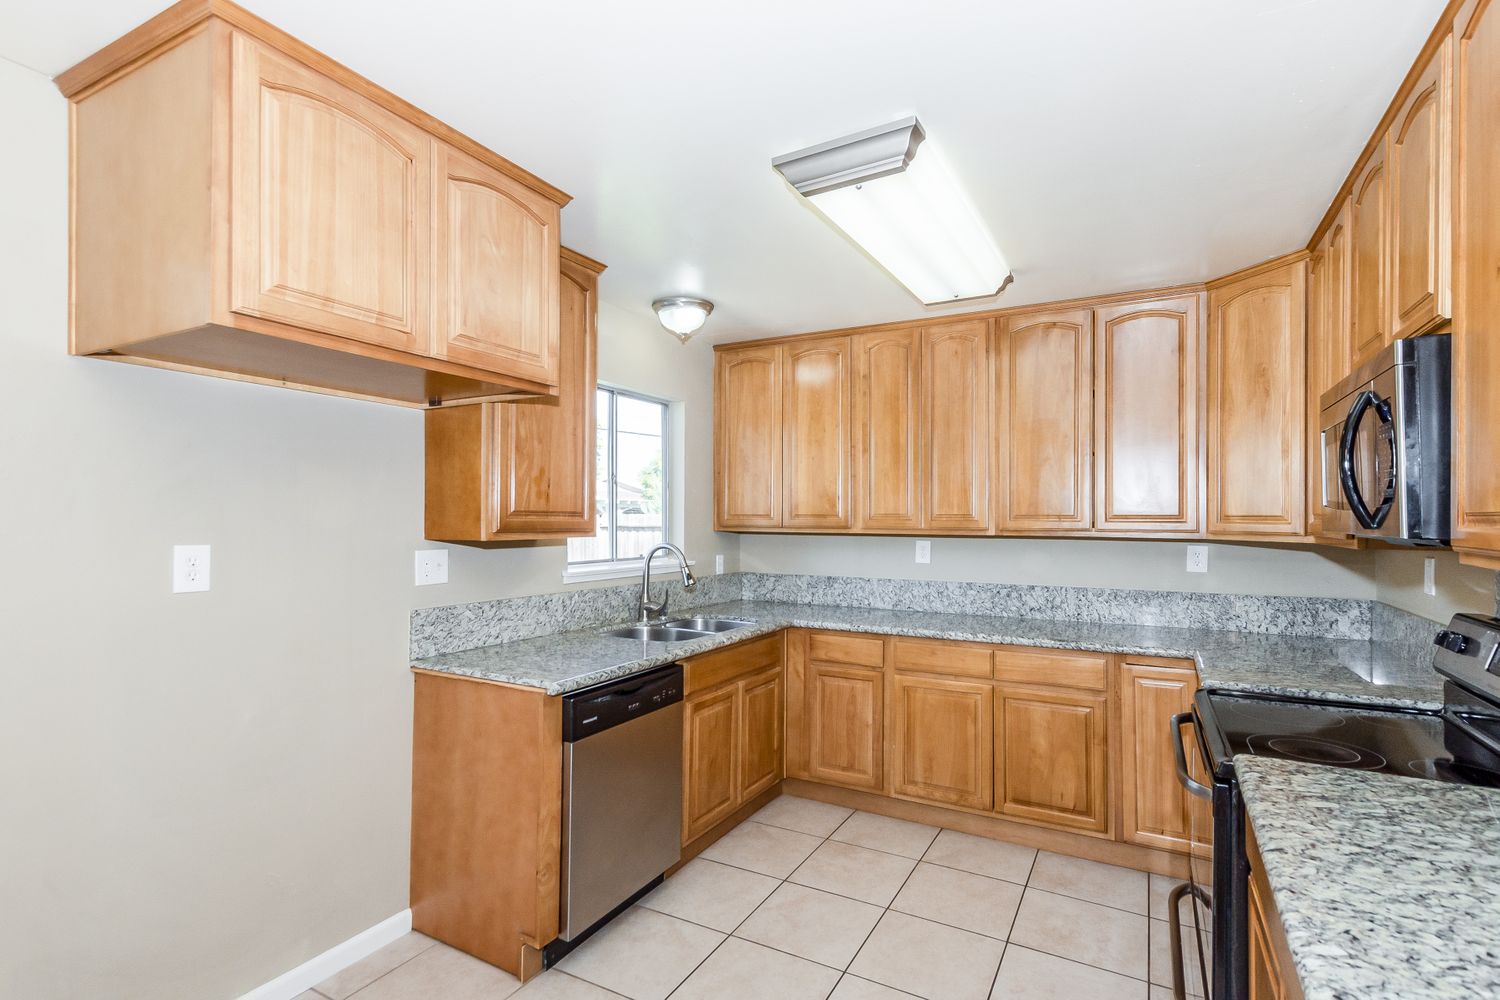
(815, 434)
(1157, 810)
(1369, 243)
(1476, 321)
(1146, 410)
(942, 731)
(1421, 210)
(1256, 403)
(747, 438)
(244, 206)
(887, 421)
(955, 454)
(1328, 354)
(497, 471)
(1044, 383)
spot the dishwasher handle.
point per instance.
(1194, 787)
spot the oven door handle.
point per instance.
(1194, 787)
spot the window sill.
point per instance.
(619, 570)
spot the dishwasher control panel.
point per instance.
(604, 706)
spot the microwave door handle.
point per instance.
(1194, 787)
(1367, 518)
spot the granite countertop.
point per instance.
(1385, 884)
(1341, 669)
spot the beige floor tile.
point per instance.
(929, 959)
(881, 833)
(1122, 888)
(974, 902)
(769, 850)
(370, 968)
(1096, 935)
(445, 972)
(812, 924)
(856, 872)
(855, 988)
(1161, 993)
(711, 894)
(1161, 956)
(803, 815)
(742, 970)
(642, 954)
(1032, 975)
(982, 856)
(555, 985)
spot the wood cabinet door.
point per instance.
(1328, 354)
(760, 738)
(943, 750)
(887, 401)
(330, 209)
(1051, 757)
(1265, 973)
(1369, 240)
(815, 434)
(495, 271)
(1146, 406)
(710, 759)
(545, 467)
(1421, 210)
(846, 725)
(1158, 811)
(955, 452)
(1257, 354)
(747, 438)
(1044, 384)
(1476, 326)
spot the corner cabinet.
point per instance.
(523, 470)
(1257, 352)
(306, 228)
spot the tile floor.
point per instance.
(808, 901)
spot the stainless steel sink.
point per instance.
(709, 624)
(656, 633)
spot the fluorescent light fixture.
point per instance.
(681, 315)
(906, 211)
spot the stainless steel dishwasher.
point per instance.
(622, 795)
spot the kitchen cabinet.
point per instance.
(760, 733)
(747, 438)
(300, 225)
(955, 454)
(1476, 321)
(1420, 200)
(1328, 355)
(1256, 403)
(845, 724)
(1157, 811)
(1044, 375)
(815, 434)
(1369, 243)
(1273, 973)
(1147, 401)
(887, 421)
(942, 732)
(711, 758)
(523, 470)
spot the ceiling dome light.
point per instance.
(682, 315)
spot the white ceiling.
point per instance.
(1110, 145)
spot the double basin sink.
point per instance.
(678, 629)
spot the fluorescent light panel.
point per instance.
(914, 220)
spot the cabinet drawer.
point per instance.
(859, 650)
(713, 669)
(935, 656)
(1051, 667)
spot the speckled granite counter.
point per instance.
(1385, 885)
(1344, 669)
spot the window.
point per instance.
(630, 481)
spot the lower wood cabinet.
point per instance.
(1157, 811)
(1051, 756)
(942, 741)
(710, 758)
(845, 712)
(760, 732)
(1273, 975)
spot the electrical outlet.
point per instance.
(432, 566)
(719, 563)
(1197, 558)
(189, 569)
(924, 551)
(1429, 576)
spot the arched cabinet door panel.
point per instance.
(1421, 211)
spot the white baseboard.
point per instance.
(335, 959)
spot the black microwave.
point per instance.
(1385, 446)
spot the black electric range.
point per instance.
(1459, 744)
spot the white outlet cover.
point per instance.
(1197, 558)
(924, 551)
(719, 563)
(432, 567)
(190, 566)
(1429, 576)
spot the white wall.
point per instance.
(200, 792)
(1398, 576)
